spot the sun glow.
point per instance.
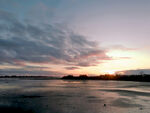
(111, 72)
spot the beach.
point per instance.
(70, 96)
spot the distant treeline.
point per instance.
(144, 77)
(28, 77)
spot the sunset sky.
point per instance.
(59, 37)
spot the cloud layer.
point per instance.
(134, 72)
(24, 42)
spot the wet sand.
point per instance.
(68, 96)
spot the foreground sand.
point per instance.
(66, 96)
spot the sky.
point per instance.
(60, 37)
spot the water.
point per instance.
(64, 96)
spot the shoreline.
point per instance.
(136, 78)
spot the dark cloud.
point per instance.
(33, 72)
(136, 71)
(22, 42)
(71, 68)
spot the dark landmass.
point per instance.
(142, 78)
(29, 77)
(10, 109)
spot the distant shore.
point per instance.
(142, 78)
(29, 77)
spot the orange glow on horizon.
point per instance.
(111, 72)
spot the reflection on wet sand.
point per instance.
(66, 96)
